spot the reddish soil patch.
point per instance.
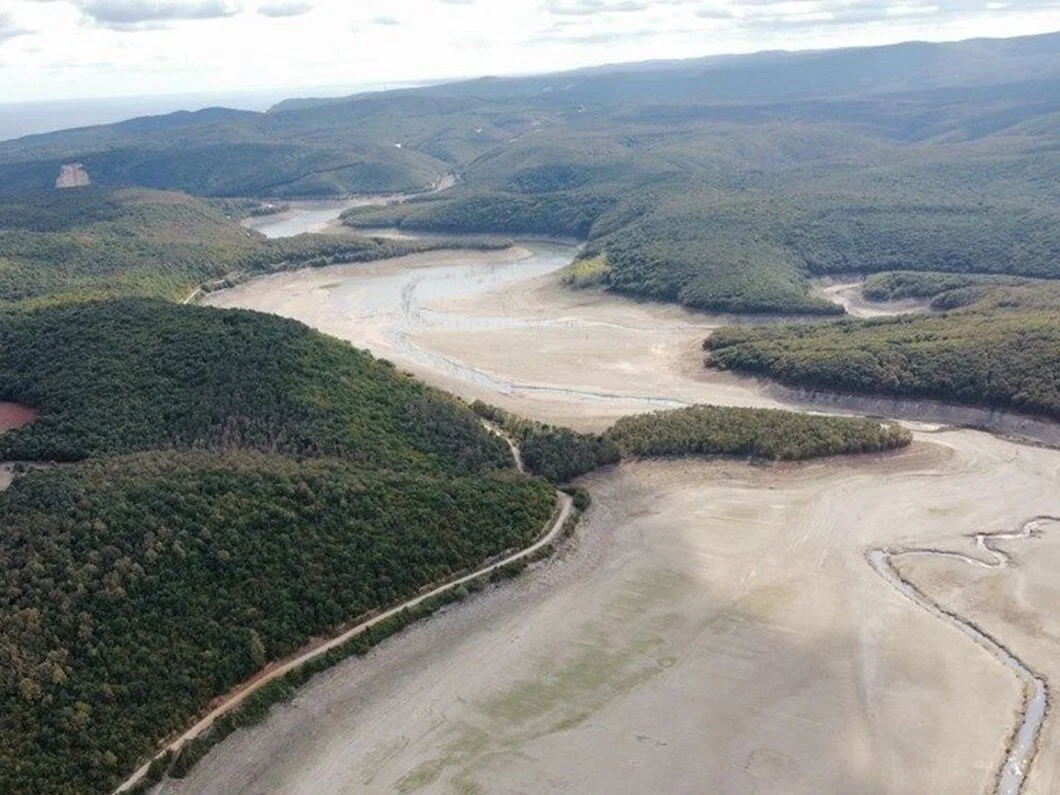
(14, 415)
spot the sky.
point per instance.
(72, 49)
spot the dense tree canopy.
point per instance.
(555, 453)
(244, 484)
(759, 433)
(135, 590)
(1002, 359)
(139, 374)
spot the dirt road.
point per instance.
(273, 671)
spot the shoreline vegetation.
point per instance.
(996, 360)
(99, 243)
(241, 484)
(561, 454)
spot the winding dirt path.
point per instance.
(1024, 741)
(564, 507)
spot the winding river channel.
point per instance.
(868, 625)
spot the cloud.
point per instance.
(781, 14)
(385, 21)
(285, 8)
(126, 14)
(9, 28)
(584, 8)
(786, 14)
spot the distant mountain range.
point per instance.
(721, 183)
(317, 147)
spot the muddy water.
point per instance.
(303, 216)
(321, 216)
(716, 627)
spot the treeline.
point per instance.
(981, 292)
(315, 251)
(556, 214)
(141, 374)
(759, 433)
(998, 359)
(552, 452)
(561, 454)
(91, 244)
(136, 590)
(896, 285)
(249, 208)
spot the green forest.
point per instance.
(243, 483)
(555, 453)
(757, 433)
(90, 244)
(561, 454)
(1001, 359)
(139, 374)
(135, 590)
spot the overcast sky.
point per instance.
(53, 49)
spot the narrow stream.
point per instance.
(1021, 751)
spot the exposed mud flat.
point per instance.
(716, 628)
(1018, 604)
(849, 293)
(497, 326)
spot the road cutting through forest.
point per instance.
(275, 670)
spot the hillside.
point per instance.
(136, 590)
(96, 243)
(720, 183)
(89, 243)
(137, 375)
(244, 484)
(991, 356)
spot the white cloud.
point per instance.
(131, 13)
(285, 8)
(209, 45)
(9, 27)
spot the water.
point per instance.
(1014, 772)
(304, 216)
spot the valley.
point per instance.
(742, 372)
(648, 651)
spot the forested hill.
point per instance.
(720, 183)
(244, 484)
(93, 243)
(131, 375)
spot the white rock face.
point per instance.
(72, 175)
